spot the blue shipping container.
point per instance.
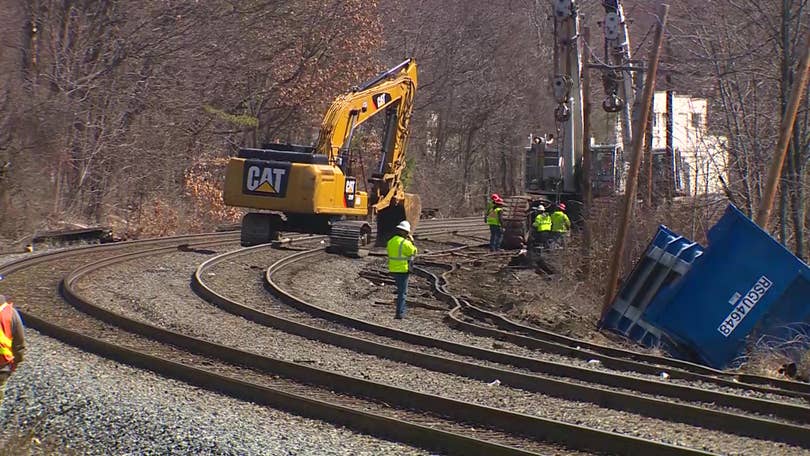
(743, 284)
(667, 258)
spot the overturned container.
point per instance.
(713, 300)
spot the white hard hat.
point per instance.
(404, 226)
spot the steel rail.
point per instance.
(357, 420)
(621, 358)
(37, 258)
(688, 414)
(362, 421)
(686, 393)
(611, 362)
(542, 430)
(754, 405)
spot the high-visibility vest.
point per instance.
(542, 222)
(494, 216)
(6, 319)
(400, 251)
(560, 222)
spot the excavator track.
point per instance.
(350, 238)
(260, 228)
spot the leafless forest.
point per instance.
(123, 112)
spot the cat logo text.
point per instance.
(266, 178)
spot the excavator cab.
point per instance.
(314, 190)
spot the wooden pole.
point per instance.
(648, 152)
(632, 179)
(586, 173)
(587, 192)
(670, 167)
(796, 92)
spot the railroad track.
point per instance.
(414, 418)
(495, 324)
(476, 320)
(741, 424)
(432, 421)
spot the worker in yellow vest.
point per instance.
(400, 256)
(491, 204)
(494, 218)
(560, 224)
(542, 228)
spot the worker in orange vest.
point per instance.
(12, 341)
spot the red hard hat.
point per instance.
(495, 197)
(562, 206)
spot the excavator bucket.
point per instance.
(388, 218)
(413, 209)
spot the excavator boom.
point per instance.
(392, 91)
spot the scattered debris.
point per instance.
(791, 370)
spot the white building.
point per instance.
(700, 159)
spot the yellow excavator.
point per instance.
(314, 189)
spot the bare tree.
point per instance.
(105, 105)
(743, 60)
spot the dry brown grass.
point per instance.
(779, 358)
(689, 217)
(570, 302)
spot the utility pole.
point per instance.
(586, 121)
(586, 149)
(672, 166)
(785, 132)
(632, 180)
(785, 86)
(648, 152)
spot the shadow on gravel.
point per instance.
(186, 248)
(26, 442)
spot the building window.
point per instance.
(697, 121)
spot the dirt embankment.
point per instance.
(565, 303)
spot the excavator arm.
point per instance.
(391, 92)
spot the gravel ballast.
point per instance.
(178, 309)
(165, 300)
(79, 403)
(167, 277)
(350, 298)
(63, 401)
